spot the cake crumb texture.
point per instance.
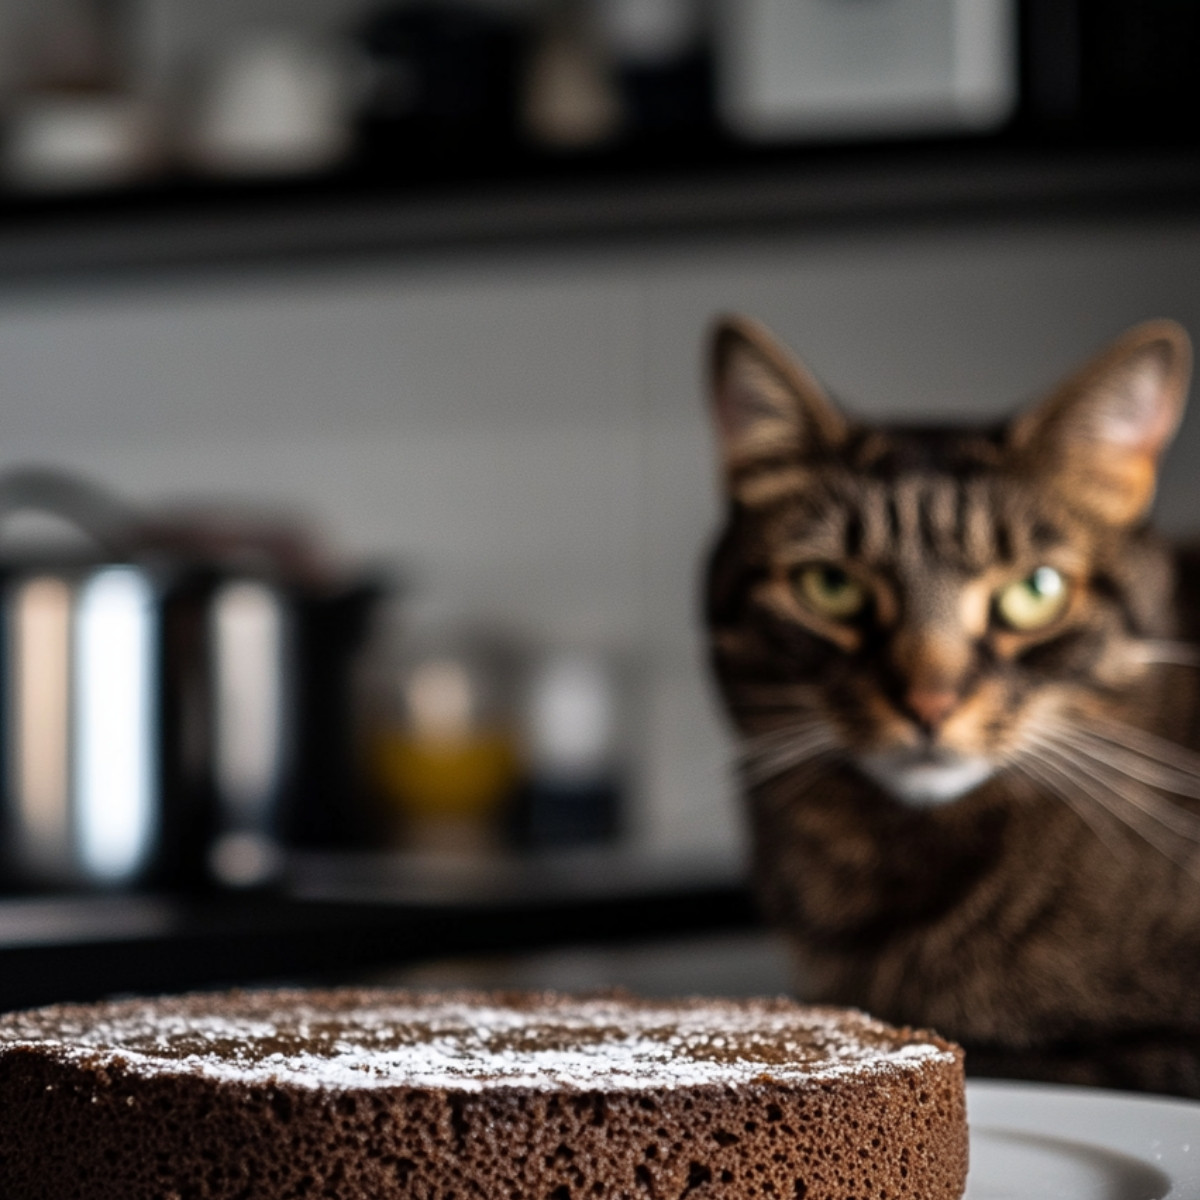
(375, 1095)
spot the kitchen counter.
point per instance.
(336, 918)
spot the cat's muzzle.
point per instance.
(925, 777)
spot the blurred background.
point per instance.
(354, 464)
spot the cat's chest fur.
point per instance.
(964, 689)
(1012, 922)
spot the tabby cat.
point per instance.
(960, 670)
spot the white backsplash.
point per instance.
(527, 429)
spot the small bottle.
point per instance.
(572, 794)
(447, 761)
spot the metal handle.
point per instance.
(92, 509)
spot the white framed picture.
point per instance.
(791, 69)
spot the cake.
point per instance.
(357, 1094)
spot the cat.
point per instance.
(960, 671)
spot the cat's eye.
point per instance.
(830, 591)
(1034, 602)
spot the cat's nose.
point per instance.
(930, 706)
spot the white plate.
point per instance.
(1036, 1142)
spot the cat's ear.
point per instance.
(1097, 438)
(766, 404)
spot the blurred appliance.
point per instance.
(175, 697)
(791, 69)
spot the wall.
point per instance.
(525, 430)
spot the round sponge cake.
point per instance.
(375, 1094)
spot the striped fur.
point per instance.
(991, 829)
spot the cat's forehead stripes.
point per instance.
(919, 519)
(943, 519)
(985, 534)
(907, 501)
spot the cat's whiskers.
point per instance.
(798, 779)
(1150, 745)
(1162, 812)
(1171, 831)
(778, 733)
(1111, 803)
(776, 752)
(1143, 757)
(778, 739)
(763, 770)
(783, 725)
(1068, 790)
(1134, 765)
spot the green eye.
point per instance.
(1033, 603)
(831, 592)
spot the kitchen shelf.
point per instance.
(339, 917)
(539, 201)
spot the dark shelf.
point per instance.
(342, 917)
(631, 196)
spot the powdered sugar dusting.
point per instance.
(469, 1042)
